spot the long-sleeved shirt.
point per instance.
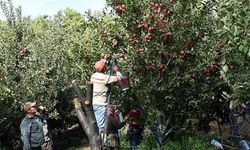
(32, 132)
(113, 125)
(100, 89)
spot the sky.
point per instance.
(35, 8)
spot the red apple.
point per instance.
(170, 1)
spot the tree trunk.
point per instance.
(95, 140)
(86, 115)
(81, 116)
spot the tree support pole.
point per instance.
(86, 116)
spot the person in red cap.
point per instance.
(100, 82)
(136, 126)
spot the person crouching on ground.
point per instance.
(113, 124)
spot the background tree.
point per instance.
(179, 60)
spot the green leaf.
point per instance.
(241, 48)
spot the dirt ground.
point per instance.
(72, 139)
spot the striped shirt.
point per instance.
(100, 89)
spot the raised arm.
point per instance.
(115, 78)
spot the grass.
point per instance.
(79, 148)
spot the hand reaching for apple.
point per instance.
(115, 69)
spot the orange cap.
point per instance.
(99, 65)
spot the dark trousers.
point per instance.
(35, 148)
(134, 136)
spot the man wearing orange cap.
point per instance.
(100, 90)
